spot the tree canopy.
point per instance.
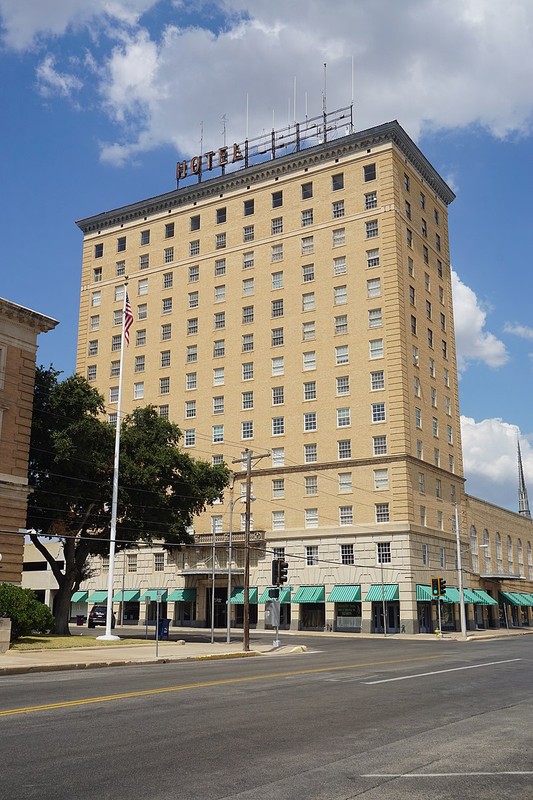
(161, 488)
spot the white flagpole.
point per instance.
(114, 502)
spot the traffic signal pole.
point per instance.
(462, 609)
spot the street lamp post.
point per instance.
(462, 608)
(384, 605)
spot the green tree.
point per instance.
(161, 488)
(26, 613)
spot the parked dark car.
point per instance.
(98, 615)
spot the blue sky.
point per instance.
(99, 99)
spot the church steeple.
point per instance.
(523, 502)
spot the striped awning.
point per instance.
(284, 594)
(79, 597)
(130, 596)
(527, 599)
(237, 595)
(389, 593)
(151, 595)
(344, 593)
(98, 597)
(511, 599)
(183, 595)
(423, 593)
(310, 594)
(470, 596)
(452, 595)
(484, 598)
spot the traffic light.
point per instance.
(442, 586)
(273, 594)
(283, 569)
(275, 571)
(435, 587)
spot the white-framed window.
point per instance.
(308, 245)
(278, 488)
(166, 332)
(373, 288)
(347, 550)
(247, 400)
(311, 550)
(376, 349)
(449, 434)
(310, 421)
(164, 385)
(311, 485)
(247, 342)
(277, 252)
(338, 237)
(343, 418)
(192, 326)
(342, 354)
(278, 365)
(248, 233)
(190, 409)
(440, 526)
(310, 453)
(345, 482)
(419, 449)
(381, 478)
(140, 337)
(341, 324)
(277, 280)
(140, 363)
(310, 390)
(371, 228)
(191, 380)
(247, 315)
(216, 523)
(309, 360)
(344, 447)
(375, 318)
(113, 394)
(307, 217)
(383, 552)
(217, 433)
(248, 259)
(189, 439)
(94, 322)
(192, 353)
(96, 298)
(278, 456)
(142, 311)
(132, 562)
(219, 348)
(164, 411)
(423, 520)
(92, 349)
(247, 429)
(421, 482)
(219, 320)
(377, 380)
(342, 384)
(278, 395)
(371, 200)
(278, 520)
(340, 295)
(248, 371)
(248, 287)
(138, 390)
(166, 305)
(372, 258)
(114, 371)
(308, 273)
(194, 250)
(418, 417)
(345, 515)
(276, 225)
(308, 301)
(278, 426)
(116, 342)
(308, 331)
(378, 412)
(91, 372)
(277, 337)
(218, 404)
(379, 445)
(425, 555)
(337, 209)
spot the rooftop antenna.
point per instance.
(246, 114)
(352, 101)
(294, 99)
(324, 103)
(523, 502)
(224, 121)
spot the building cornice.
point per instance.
(389, 132)
(26, 317)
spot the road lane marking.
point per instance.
(206, 684)
(439, 774)
(440, 671)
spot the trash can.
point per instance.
(80, 619)
(163, 628)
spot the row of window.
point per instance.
(345, 486)
(436, 455)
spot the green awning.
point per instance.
(97, 597)
(470, 596)
(237, 595)
(310, 594)
(151, 595)
(375, 593)
(511, 599)
(452, 595)
(130, 596)
(527, 600)
(79, 597)
(484, 598)
(423, 593)
(284, 594)
(345, 594)
(183, 595)
(526, 594)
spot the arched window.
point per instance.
(520, 556)
(499, 556)
(473, 549)
(510, 556)
(486, 551)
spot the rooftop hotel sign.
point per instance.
(267, 146)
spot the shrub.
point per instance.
(27, 614)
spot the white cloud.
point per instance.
(448, 64)
(51, 82)
(523, 331)
(473, 341)
(490, 460)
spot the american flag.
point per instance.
(128, 319)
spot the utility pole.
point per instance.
(246, 621)
(462, 609)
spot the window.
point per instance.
(277, 337)
(91, 372)
(277, 199)
(309, 360)
(339, 237)
(437, 241)
(337, 182)
(278, 488)
(190, 438)
(142, 311)
(406, 182)
(446, 377)
(373, 288)
(439, 268)
(417, 387)
(343, 385)
(248, 371)
(412, 295)
(248, 208)
(247, 400)
(341, 324)
(440, 526)
(383, 552)
(140, 337)
(278, 456)
(444, 349)
(344, 447)
(308, 245)
(432, 367)
(277, 308)
(144, 261)
(307, 217)
(423, 519)
(436, 456)
(247, 314)
(121, 244)
(371, 228)
(164, 385)
(113, 394)
(217, 434)
(219, 320)
(308, 273)
(248, 233)
(166, 305)
(408, 209)
(97, 274)
(145, 237)
(168, 253)
(276, 225)
(247, 342)
(194, 249)
(421, 483)
(438, 487)
(190, 409)
(278, 365)
(219, 348)
(425, 555)
(169, 230)
(376, 348)
(99, 250)
(345, 482)
(428, 309)
(425, 253)
(191, 380)
(248, 287)
(310, 390)
(311, 550)
(306, 190)
(341, 354)
(120, 268)
(433, 397)
(310, 421)
(248, 260)
(418, 417)
(449, 434)
(337, 209)
(369, 172)
(92, 350)
(430, 338)
(378, 412)
(346, 518)
(247, 430)
(166, 332)
(164, 411)
(278, 520)
(278, 395)
(138, 390)
(377, 380)
(371, 200)
(379, 445)
(114, 371)
(435, 426)
(311, 484)
(220, 241)
(381, 479)
(448, 406)
(308, 331)
(374, 318)
(343, 418)
(442, 321)
(277, 280)
(424, 227)
(140, 363)
(419, 449)
(339, 265)
(372, 258)
(194, 273)
(310, 453)
(340, 295)
(278, 426)
(409, 237)
(192, 326)
(132, 562)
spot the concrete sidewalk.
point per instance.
(144, 652)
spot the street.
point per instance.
(373, 719)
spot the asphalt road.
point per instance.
(379, 720)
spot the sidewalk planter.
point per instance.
(5, 634)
